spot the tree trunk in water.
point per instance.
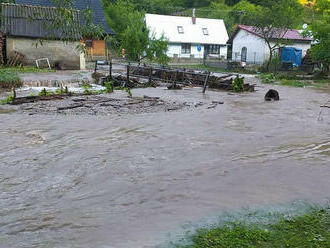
(270, 59)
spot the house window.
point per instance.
(89, 43)
(180, 30)
(205, 31)
(185, 48)
(214, 49)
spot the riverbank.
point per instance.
(309, 229)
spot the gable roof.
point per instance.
(33, 22)
(290, 34)
(95, 5)
(192, 33)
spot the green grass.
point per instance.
(24, 69)
(293, 80)
(9, 80)
(294, 83)
(322, 83)
(311, 229)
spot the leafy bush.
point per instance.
(108, 87)
(9, 80)
(238, 84)
(8, 100)
(45, 92)
(267, 78)
(129, 92)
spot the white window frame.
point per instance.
(185, 48)
(180, 29)
(205, 31)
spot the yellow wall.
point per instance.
(98, 48)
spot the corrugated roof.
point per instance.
(95, 5)
(290, 34)
(32, 21)
(192, 33)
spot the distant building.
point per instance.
(25, 26)
(96, 48)
(190, 37)
(249, 46)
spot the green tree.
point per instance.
(320, 29)
(133, 34)
(274, 21)
(139, 45)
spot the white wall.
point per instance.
(175, 49)
(255, 47)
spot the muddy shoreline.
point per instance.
(104, 104)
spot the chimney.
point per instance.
(194, 16)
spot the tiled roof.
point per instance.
(95, 5)
(290, 34)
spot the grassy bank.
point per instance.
(9, 77)
(24, 69)
(311, 229)
(293, 80)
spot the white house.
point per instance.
(249, 46)
(190, 37)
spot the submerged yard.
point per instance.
(126, 178)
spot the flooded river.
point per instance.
(128, 180)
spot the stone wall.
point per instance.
(63, 55)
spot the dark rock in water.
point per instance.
(272, 95)
(174, 87)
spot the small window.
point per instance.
(180, 30)
(205, 31)
(89, 43)
(185, 48)
(214, 49)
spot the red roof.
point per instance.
(290, 34)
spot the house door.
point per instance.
(243, 54)
(206, 51)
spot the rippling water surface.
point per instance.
(126, 181)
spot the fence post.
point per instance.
(206, 81)
(110, 70)
(175, 79)
(150, 74)
(95, 69)
(127, 81)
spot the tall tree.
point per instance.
(320, 29)
(273, 21)
(132, 33)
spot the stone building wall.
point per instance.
(60, 54)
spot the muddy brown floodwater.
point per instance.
(128, 180)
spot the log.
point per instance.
(70, 107)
